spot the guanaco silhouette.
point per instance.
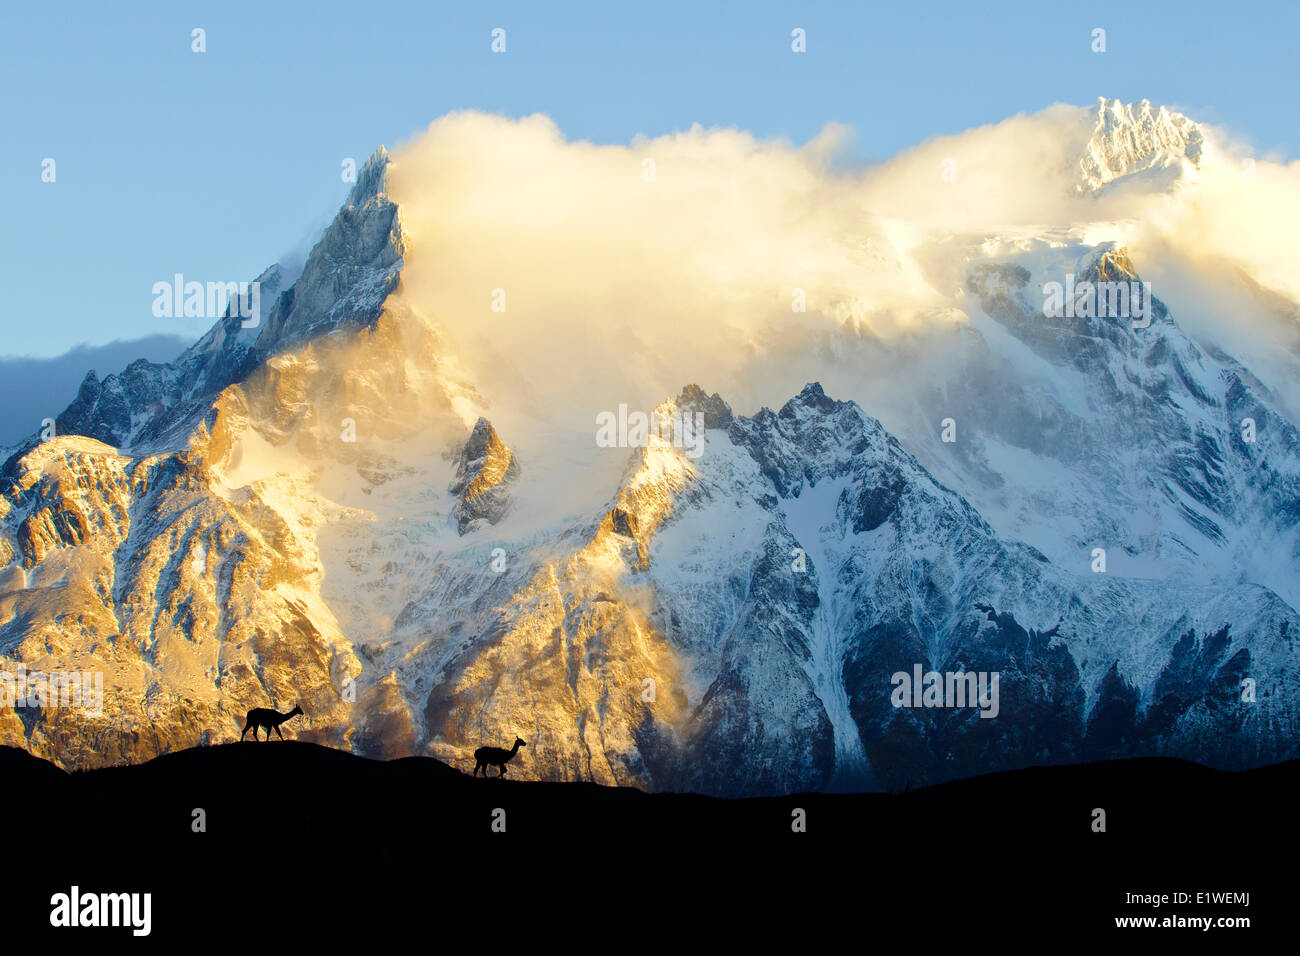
(495, 757)
(270, 719)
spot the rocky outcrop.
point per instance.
(485, 469)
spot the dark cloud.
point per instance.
(35, 388)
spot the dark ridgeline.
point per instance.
(416, 825)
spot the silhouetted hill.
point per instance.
(1020, 845)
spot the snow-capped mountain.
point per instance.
(342, 287)
(1130, 140)
(327, 509)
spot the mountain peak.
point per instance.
(372, 180)
(814, 397)
(485, 467)
(1133, 138)
(717, 413)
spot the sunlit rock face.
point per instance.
(325, 510)
(484, 470)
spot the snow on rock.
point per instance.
(1131, 139)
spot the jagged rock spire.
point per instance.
(485, 469)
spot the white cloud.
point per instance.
(621, 290)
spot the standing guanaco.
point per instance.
(495, 757)
(270, 719)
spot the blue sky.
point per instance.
(216, 164)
